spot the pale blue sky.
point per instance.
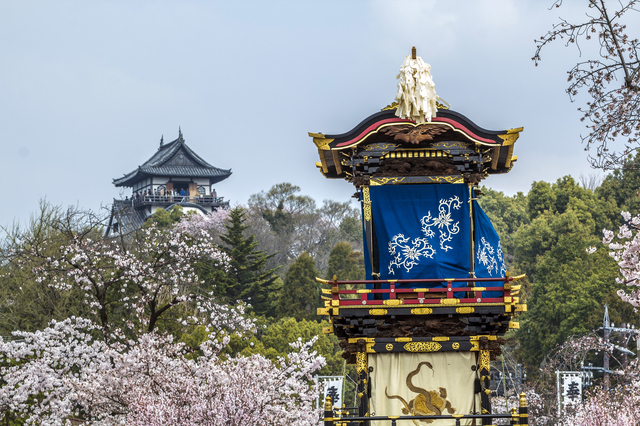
(88, 87)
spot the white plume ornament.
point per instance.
(416, 95)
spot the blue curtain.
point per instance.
(489, 261)
(422, 231)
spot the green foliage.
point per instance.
(165, 219)
(622, 189)
(25, 303)
(274, 338)
(280, 206)
(507, 214)
(540, 199)
(346, 264)
(300, 297)
(248, 279)
(351, 230)
(275, 342)
(288, 224)
(568, 288)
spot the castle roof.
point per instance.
(174, 159)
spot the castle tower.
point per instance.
(174, 175)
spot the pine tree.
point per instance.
(345, 264)
(299, 298)
(247, 280)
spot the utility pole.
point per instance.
(607, 332)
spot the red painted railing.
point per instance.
(449, 295)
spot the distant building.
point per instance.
(160, 183)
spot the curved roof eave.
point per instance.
(140, 174)
(375, 122)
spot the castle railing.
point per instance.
(204, 200)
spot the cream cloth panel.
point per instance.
(451, 371)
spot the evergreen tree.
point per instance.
(300, 298)
(346, 264)
(507, 215)
(622, 188)
(568, 288)
(247, 279)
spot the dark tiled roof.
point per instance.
(173, 159)
(125, 217)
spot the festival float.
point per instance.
(425, 324)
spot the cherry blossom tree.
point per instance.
(194, 223)
(63, 372)
(603, 408)
(611, 78)
(619, 405)
(143, 276)
(123, 368)
(625, 249)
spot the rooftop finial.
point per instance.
(161, 140)
(416, 96)
(179, 133)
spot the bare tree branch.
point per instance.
(612, 81)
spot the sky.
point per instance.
(87, 88)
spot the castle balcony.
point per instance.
(167, 200)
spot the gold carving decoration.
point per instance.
(385, 180)
(422, 347)
(380, 146)
(393, 106)
(511, 136)
(440, 339)
(321, 141)
(361, 362)
(450, 145)
(447, 179)
(509, 157)
(421, 311)
(455, 345)
(485, 361)
(377, 312)
(393, 302)
(452, 301)
(465, 310)
(367, 204)
(389, 346)
(404, 339)
(508, 140)
(366, 339)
